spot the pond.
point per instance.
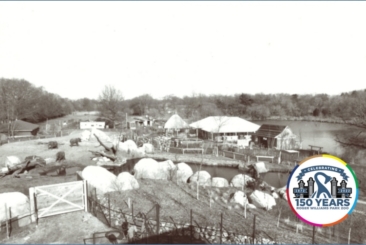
(310, 133)
(316, 133)
(277, 180)
(274, 179)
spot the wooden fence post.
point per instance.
(191, 226)
(255, 217)
(6, 221)
(85, 184)
(349, 235)
(109, 211)
(313, 240)
(221, 229)
(157, 221)
(31, 204)
(35, 207)
(147, 231)
(132, 208)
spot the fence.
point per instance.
(28, 138)
(13, 219)
(152, 229)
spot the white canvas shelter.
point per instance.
(176, 122)
(224, 127)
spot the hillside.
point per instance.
(176, 201)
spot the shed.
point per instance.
(20, 128)
(224, 128)
(275, 136)
(90, 125)
(141, 121)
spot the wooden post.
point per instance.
(95, 201)
(349, 235)
(157, 221)
(313, 235)
(6, 221)
(191, 227)
(109, 211)
(132, 208)
(245, 210)
(31, 204)
(255, 217)
(35, 207)
(93, 238)
(221, 229)
(85, 184)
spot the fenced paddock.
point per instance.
(151, 228)
(45, 201)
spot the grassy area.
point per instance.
(175, 200)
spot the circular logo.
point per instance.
(322, 190)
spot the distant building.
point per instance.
(20, 128)
(224, 128)
(275, 136)
(90, 125)
(137, 122)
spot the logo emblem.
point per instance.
(322, 190)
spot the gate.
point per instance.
(56, 199)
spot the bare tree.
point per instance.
(358, 119)
(111, 103)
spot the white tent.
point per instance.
(176, 122)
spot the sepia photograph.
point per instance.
(182, 122)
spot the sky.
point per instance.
(183, 48)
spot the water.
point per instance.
(311, 133)
(316, 133)
(274, 179)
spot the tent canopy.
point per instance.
(176, 122)
(224, 124)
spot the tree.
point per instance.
(111, 103)
(357, 118)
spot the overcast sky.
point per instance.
(181, 48)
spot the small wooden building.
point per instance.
(20, 128)
(137, 122)
(90, 125)
(275, 136)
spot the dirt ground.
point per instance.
(78, 227)
(66, 228)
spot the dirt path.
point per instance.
(70, 228)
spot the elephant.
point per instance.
(75, 141)
(60, 156)
(52, 145)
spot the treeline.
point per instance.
(20, 99)
(258, 106)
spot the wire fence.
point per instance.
(152, 228)
(14, 218)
